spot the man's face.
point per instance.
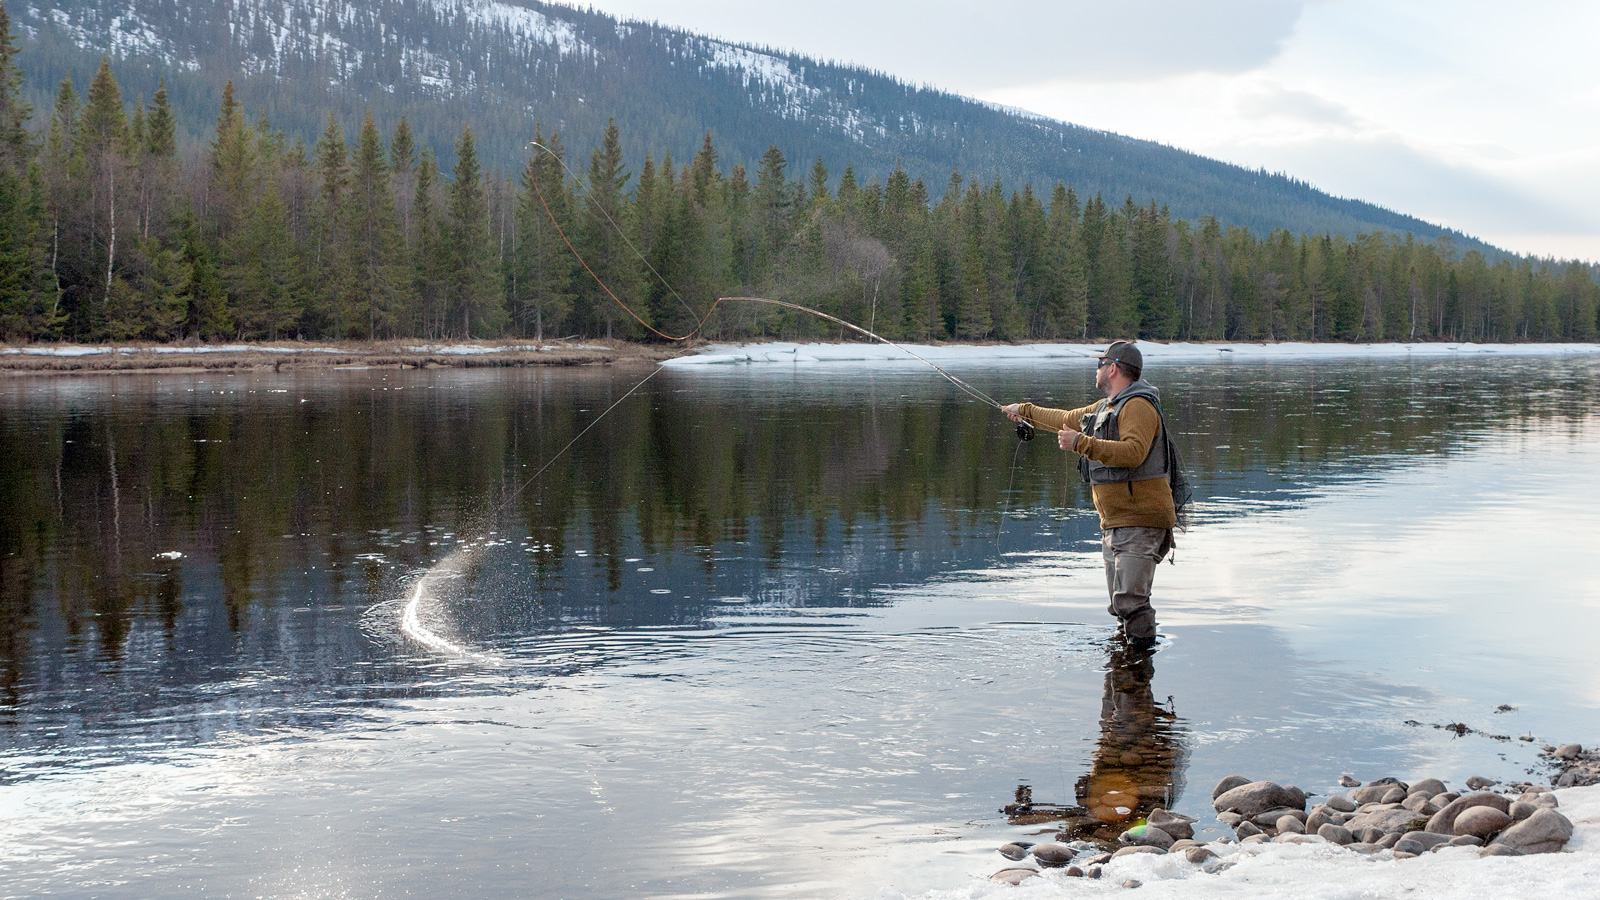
(1102, 374)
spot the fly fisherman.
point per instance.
(1126, 457)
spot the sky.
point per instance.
(1484, 117)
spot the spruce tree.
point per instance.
(539, 288)
(471, 282)
(379, 289)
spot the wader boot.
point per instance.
(1131, 554)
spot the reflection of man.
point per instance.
(1124, 455)
(1136, 764)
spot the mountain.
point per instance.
(502, 66)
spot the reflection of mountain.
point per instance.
(297, 510)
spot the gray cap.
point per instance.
(1125, 352)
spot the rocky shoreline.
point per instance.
(1386, 818)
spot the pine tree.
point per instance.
(539, 285)
(379, 289)
(327, 301)
(19, 225)
(602, 245)
(471, 282)
(102, 140)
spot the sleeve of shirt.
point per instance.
(1053, 420)
(1138, 424)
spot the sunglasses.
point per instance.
(1103, 363)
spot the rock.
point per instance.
(1569, 751)
(1443, 800)
(1198, 855)
(1404, 854)
(1372, 793)
(1428, 840)
(1130, 851)
(1072, 872)
(1322, 816)
(1393, 795)
(1175, 824)
(1228, 784)
(1146, 836)
(1482, 822)
(1444, 821)
(1433, 786)
(1014, 876)
(1521, 810)
(1336, 834)
(1246, 830)
(1230, 819)
(1269, 819)
(1256, 798)
(1341, 803)
(1132, 883)
(1499, 850)
(1297, 797)
(1289, 825)
(1542, 800)
(1053, 855)
(1256, 839)
(1419, 803)
(1291, 838)
(1478, 783)
(1368, 835)
(1093, 872)
(1363, 847)
(1387, 779)
(1390, 821)
(1464, 840)
(1546, 831)
(1411, 848)
(1387, 841)
(1347, 781)
(1015, 850)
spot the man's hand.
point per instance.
(1013, 411)
(1067, 438)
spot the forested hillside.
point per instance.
(107, 232)
(502, 65)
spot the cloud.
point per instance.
(959, 45)
(1280, 102)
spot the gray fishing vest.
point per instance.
(1102, 424)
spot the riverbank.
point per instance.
(57, 359)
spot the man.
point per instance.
(1123, 453)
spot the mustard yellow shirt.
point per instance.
(1147, 503)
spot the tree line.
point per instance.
(109, 230)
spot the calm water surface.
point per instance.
(763, 632)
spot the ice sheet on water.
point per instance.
(1153, 352)
(1292, 871)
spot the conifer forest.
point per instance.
(111, 228)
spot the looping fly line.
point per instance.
(701, 324)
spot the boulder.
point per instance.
(1256, 839)
(1569, 751)
(1053, 855)
(1228, 784)
(1363, 847)
(1478, 782)
(1293, 838)
(1256, 798)
(1465, 840)
(1393, 795)
(1482, 822)
(1322, 816)
(1408, 847)
(1246, 829)
(1229, 819)
(1546, 831)
(1540, 800)
(1444, 821)
(1372, 793)
(1419, 803)
(1182, 844)
(1499, 850)
(1269, 819)
(1347, 781)
(1336, 834)
(1290, 825)
(1129, 851)
(1014, 851)
(1341, 803)
(1521, 810)
(1428, 840)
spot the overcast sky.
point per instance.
(1481, 116)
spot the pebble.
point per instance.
(1340, 803)
(1228, 784)
(1569, 751)
(1256, 839)
(1478, 782)
(1465, 840)
(1132, 883)
(1393, 795)
(1290, 825)
(1146, 836)
(1499, 850)
(1072, 872)
(1433, 786)
(1014, 876)
(1230, 819)
(1053, 855)
(1247, 830)
(1404, 854)
(1347, 781)
(1130, 851)
(1014, 851)
(1363, 847)
(1175, 824)
(1269, 819)
(1198, 855)
(1336, 834)
(1419, 803)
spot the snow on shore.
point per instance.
(1153, 352)
(73, 350)
(1293, 871)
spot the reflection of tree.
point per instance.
(1138, 763)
